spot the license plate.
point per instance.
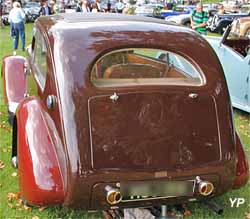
(158, 188)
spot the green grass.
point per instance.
(9, 183)
(211, 1)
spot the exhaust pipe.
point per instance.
(113, 196)
(205, 188)
(214, 206)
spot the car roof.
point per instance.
(78, 18)
(94, 29)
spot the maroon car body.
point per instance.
(99, 129)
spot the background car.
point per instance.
(5, 9)
(219, 22)
(179, 9)
(149, 10)
(234, 54)
(245, 8)
(241, 27)
(5, 19)
(184, 19)
(232, 6)
(31, 10)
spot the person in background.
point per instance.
(52, 5)
(59, 7)
(108, 6)
(119, 6)
(45, 9)
(94, 8)
(221, 9)
(79, 6)
(170, 5)
(199, 19)
(85, 7)
(98, 3)
(17, 19)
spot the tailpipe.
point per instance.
(205, 188)
(113, 195)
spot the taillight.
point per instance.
(241, 165)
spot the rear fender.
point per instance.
(15, 83)
(40, 175)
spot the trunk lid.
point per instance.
(152, 131)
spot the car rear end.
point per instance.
(148, 123)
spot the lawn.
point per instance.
(11, 206)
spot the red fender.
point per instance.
(241, 165)
(40, 177)
(15, 84)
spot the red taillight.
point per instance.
(241, 165)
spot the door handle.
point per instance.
(114, 97)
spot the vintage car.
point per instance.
(219, 22)
(245, 8)
(31, 10)
(111, 126)
(5, 19)
(184, 19)
(149, 10)
(179, 9)
(241, 27)
(234, 55)
(232, 5)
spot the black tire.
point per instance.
(187, 24)
(221, 31)
(14, 158)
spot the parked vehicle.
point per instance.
(234, 55)
(232, 6)
(184, 19)
(219, 22)
(245, 8)
(80, 140)
(5, 19)
(179, 9)
(149, 10)
(5, 7)
(241, 27)
(31, 10)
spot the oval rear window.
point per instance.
(133, 67)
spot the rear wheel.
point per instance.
(14, 159)
(221, 31)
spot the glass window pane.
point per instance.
(40, 60)
(130, 67)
